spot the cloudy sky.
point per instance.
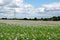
(29, 8)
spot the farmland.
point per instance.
(31, 23)
(29, 30)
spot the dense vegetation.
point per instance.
(15, 32)
(54, 18)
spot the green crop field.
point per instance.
(29, 30)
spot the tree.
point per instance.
(45, 19)
(4, 18)
(58, 18)
(25, 19)
(54, 18)
(35, 18)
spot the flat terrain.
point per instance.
(31, 23)
(29, 30)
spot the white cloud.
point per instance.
(41, 9)
(4, 2)
(48, 10)
(29, 10)
(1, 1)
(19, 7)
(53, 6)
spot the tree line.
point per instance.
(54, 18)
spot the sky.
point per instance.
(29, 8)
(38, 3)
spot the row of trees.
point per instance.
(55, 18)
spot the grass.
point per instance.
(17, 32)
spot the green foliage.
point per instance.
(35, 18)
(15, 32)
(54, 18)
(25, 19)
